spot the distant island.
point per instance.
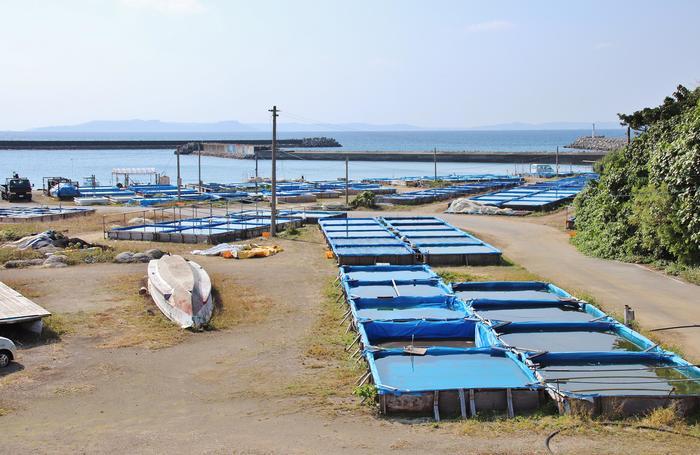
(233, 126)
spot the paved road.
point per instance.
(658, 300)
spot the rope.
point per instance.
(549, 438)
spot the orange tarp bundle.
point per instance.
(258, 251)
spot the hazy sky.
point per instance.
(429, 63)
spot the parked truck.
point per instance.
(16, 189)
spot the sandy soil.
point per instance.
(237, 390)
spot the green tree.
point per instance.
(646, 204)
(673, 105)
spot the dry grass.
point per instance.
(74, 389)
(499, 425)
(331, 372)
(235, 304)
(12, 254)
(89, 256)
(310, 234)
(506, 272)
(57, 325)
(544, 423)
(137, 323)
(68, 226)
(26, 288)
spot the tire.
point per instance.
(5, 358)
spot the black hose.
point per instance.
(689, 326)
(619, 424)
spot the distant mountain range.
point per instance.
(517, 126)
(232, 126)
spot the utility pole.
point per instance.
(435, 162)
(273, 201)
(199, 164)
(177, 152)
(255, 152)
(347, 183)
(557, 161)
(629, 134)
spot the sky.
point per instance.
(438, 63)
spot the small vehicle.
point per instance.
(16, 189)
(8, 352)
(542, 170)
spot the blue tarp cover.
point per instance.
(385, 272)
(373, 332)
(448, 369)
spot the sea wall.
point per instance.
(567, 157)
(598, 143)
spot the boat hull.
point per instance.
(183, 296)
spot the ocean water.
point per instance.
(77, 164)
(507, 141)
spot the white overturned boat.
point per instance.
(181, 289)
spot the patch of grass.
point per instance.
(69, 226)
(55, 326)
(663, 417)
(88, 255)
(13, 254)
(328, 339)
(138, 322)
(689, 273)
(506, 272)
(398, 207)
(310, 234)
(234, 304)
(548, 421)
(455, 275)
(291, 232)
(435, 183)
(542, 421)
(332, 372)
(73, 389)
(10, 232)
(368, 392)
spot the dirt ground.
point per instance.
(252, 387)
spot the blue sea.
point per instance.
(77, 164)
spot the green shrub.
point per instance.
(365, 199)
(646, 205)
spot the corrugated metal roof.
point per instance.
(14, 307)
(134, 170)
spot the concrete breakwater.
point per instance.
(565, 157)
(598, 143)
